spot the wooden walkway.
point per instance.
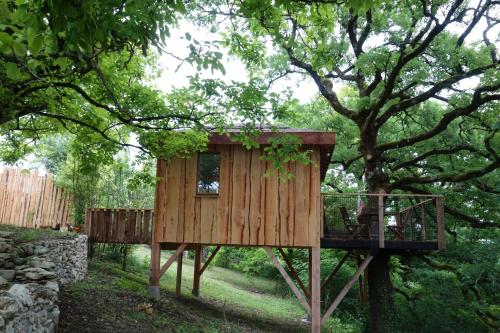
(122, 225)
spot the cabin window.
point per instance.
(208, 174)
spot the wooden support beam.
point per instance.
(178, 281)
(346, 288)
(315, 290)
(154, 271)
(440, 223)
(294, 273)
(381, 236)
(196, 272)
(309, 290)
(288, 279)
(172, 258)
(422, 222)
(205, 266)
(335, 270)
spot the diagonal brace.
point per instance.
(205, 266)
(303, 300)
(172, 258)
(346, 289)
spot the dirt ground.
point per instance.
(106, 302)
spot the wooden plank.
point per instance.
(154, 272)
(291, 204)
(255, 188)
(263, 201)
(315, 291)
(346, 289)
(189, 205)
(440, 223)
(196, 272)
(172, 207)
(208, 218)
(159, 204)
(381, 224)
(300, 234)
(315, 201)
(197, 220)
(131, 222)
(182, 200)
(172, 258)
(121, 226)
(288, 279)
(294, 273)
(238, 216)
(209, 260)
(178, 279)
(335, 270)
(225, 190)
(146, 232)
(283, 213)
(271, 209)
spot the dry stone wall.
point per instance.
(30, 275)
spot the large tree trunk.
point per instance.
(379, 279)
(380, 293)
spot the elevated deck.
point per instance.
(395, 222)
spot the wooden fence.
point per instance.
(28, 199)
(127, 226)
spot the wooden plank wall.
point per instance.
(251, 209)
(32, 200)
(126, 226)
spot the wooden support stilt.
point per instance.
(346, 288)
(335, 270)
(196, 273)
(154, 271)
(315, 290)
(205, 266)
(309, 275)
(295, 275)
(288, 279)
(172, 258)
(178, 281)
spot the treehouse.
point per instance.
(230, 196)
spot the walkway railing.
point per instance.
(383, 217)
(121, 225)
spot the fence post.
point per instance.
(440, 223)
(381, 236)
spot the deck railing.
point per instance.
(383, 217)
(121, 225)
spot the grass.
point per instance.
(26, 235)
(110, 299)
(229, 288)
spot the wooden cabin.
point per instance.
(229, 195)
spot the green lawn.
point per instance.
(234, 289)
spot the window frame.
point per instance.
(198, 174)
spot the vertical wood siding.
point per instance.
(251, 209)
(31, 200)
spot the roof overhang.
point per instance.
(324, 140)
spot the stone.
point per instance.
(22, 294)
(6, 234)
(5, 247)
(41, 263)
(40, 250)
(35, 273)
(26, 250)
(9, 306)
(3, 282)
(7, 274)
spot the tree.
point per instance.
(421, 84)
(85, 68)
